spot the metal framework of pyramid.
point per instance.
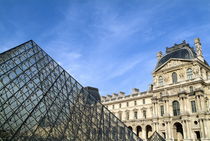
(156, 137)
(39, 101)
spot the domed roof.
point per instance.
(181, 53)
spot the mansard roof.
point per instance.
(178, 51)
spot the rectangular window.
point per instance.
(193, 105)
(120, 116)
(127, 115)
(120, 105)
(135, 114)
(143, 101)
(144, 114)
(127, 104)
(134, 102)
(161, 110)
(112, 106)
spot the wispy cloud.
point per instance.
(99, 53)
(108, 44)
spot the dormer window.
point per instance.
(160, 81)
(174, 77)
(189, 74)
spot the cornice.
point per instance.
(126, 99)
(186, 83)
(176, 59)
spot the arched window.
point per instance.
(160, 81)
(138, 130)
(148, 131)
(129, 127)
(189, 74)
(174, 77)
(176, 108)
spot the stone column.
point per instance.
(154, 109)
(157, 106)
(168, 131)
(144, 133)
(203, 135)
(154, 126)
(187, 106)
(182, 105)
(204, 127)
(167, 107)
(203, 103)
(184, 129)
(164, 107)
(189, 129)
(207, 125)
(151, 111)
(206, 130)
(170, 128)
(170, 109)
(198, 103)
(208, 108)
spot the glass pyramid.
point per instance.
(156, 137)
(40, 101)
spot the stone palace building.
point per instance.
(177, 104)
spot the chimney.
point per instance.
(121, 94)
(114, 95)
(198, 49)
(159, 55)
(135, 90)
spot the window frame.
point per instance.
(161, 110)
(160, 81)
(143, 101)
(193, 106)
(144, 113)
(174, 78)
(189, 73)
(136, 114)
(176, 108)
(127, 115)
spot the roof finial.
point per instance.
(198, 49)
(159, 55)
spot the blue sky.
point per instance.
(108, 44)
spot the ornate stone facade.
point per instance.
(177, 104)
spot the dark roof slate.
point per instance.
(180, 51)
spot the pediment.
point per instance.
(172, 63)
